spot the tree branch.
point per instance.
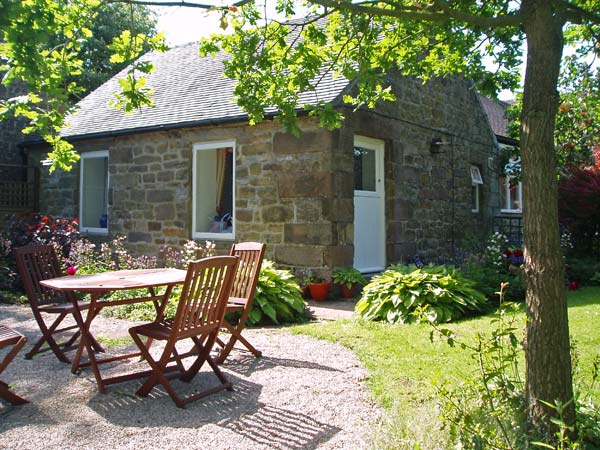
(578, 15)
(184, 3)
(441, 12)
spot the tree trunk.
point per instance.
(547, 347)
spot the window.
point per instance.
(476, 181)
(364, 169)
(93, 193)
(511, 193)
(213, 185)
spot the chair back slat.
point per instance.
(251, 255)
(204, 295)
(36, 263)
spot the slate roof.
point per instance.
(495, 112)
(188, 90)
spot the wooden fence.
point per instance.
(19, 188)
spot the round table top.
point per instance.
(117, 280)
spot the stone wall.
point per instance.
(284, 189)
(428, 195)
(297, 194)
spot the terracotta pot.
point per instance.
(347, 292)
(318, 291)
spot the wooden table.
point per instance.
(102, 283)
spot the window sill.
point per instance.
(511, 211)
(94, 231)
(214, 236)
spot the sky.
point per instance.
(184, 24)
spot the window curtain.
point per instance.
(220, 177)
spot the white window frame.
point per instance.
(476, 180)
(476, 175)
(212, 145)
(506, 187)
(476, 209)
(83, 157)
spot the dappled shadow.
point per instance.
(121, 406)
(246, 364)
(239, 411)
(283, 429)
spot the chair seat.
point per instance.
(8, 336)
(236, 304)
(67, 308)
(156, 330)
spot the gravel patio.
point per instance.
(302, 394)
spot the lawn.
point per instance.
(404, 365)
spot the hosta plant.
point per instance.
(277, 298)
(442, 293)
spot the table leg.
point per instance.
(85, 343)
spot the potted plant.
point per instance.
(318, 286)
(347, 278)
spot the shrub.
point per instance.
(579, 207)
(37, 229)
(579, 195)
(277, 298)
(582, 270)
(348, 276)
(440, 292)
(488, 279)
(41, 229)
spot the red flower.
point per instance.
(507, 253)
(71, 270)
(518, 253)
(45, 219)
(573, 285)
(76, 221)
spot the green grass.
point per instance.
(404, 365)
(114, 342)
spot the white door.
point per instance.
(369, 213)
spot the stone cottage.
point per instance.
(411, 177)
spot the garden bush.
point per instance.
(579, 208)
(37, 229)
(401, 293)
(488, 280)
(278, 297)
(582, 270)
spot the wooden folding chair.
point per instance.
(9, 337)
(36, 263)
(242, 295)
(199, 316)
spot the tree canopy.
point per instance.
(47, 45)
(96, 54)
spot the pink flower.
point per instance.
(72, 270)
